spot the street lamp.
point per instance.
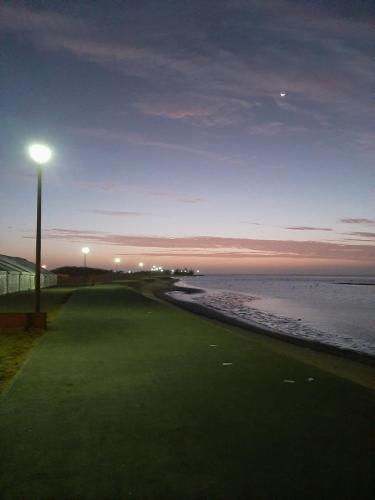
(40, 154)
(141, 265)
(85, 251)
(117, 261)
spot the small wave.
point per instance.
(242, 306)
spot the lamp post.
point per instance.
(117, 261)
(85, 251)
(40, 154)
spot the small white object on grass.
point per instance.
(213, 345)
(310, 379)
(287, 381)
(227, 364)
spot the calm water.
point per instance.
(336, 310)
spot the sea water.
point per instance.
(335, 310)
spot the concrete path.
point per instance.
(98, 412)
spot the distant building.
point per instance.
(18, 275)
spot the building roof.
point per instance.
(8, 263)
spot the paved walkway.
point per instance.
(92, 416)
(61, 422)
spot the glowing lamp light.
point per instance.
(40, 153)
(44, 266)
(85, 250)
(117, 260)
(198, 271)
(140, 264)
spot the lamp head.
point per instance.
(40, 153)
(85, 250)
(117, 260)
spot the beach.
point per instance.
(330, 312)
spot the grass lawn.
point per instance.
(16, 344)
(129, 397)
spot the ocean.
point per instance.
(333, 310)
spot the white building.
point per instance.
(18, 275)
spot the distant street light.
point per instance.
(40, 154)
(85, 251)
(141, 265)
(117, 261)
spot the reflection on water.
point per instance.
(331, 309)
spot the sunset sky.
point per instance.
(172, 143)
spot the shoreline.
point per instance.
(209, 313)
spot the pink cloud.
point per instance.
(219, 246)
(117, 213)
(308, 228)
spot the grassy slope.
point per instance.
(16, 344)
(284, 429)
(160, 417)
(360, 373)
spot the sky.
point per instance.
(174, 143)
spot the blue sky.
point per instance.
(172, 142)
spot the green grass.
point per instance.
(15, 344)
(240, 431)
(14, 348)
(137, 404)
(51, 301)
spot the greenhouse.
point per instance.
(18, 275)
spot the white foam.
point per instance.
(244, 307)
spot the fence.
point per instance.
(19, 281)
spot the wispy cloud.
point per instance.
(327, 41)
(198, 108)
(140, 139)
(362, 234)
(275, 128)
(18, 18)
(116, 187)
(308, 228)
(117, 213)
(292, 228)
(358, 221)
(187, 199)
